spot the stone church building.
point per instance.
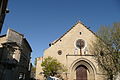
(73, 49)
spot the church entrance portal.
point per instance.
(81, 73)
(82, 69)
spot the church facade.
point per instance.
(73, 49)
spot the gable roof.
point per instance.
(70, 30)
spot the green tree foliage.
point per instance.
(107, 49)
(52, 67)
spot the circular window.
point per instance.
(80, 43)
(59, 52)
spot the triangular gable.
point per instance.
(70, 30)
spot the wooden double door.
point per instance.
(81, 73)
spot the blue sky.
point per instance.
(43, 21)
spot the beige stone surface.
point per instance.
(39, 71)
(71, 57)
(2, 40)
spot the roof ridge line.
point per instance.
(65, 33)
(69, 30)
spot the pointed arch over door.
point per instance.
(85, 66)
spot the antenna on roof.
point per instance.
(79, 21)
(89, 27)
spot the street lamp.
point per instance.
(3, 11)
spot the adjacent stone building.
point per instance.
(15, 55)
(39, 73)
(73, 49)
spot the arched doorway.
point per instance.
(85, 66)
(81, 73)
